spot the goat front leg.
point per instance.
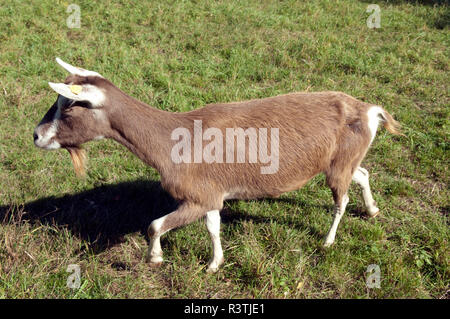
(185, 214)
(155, 254)
(213, 225)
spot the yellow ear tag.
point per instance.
(75, 89)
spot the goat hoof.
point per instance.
(374, 213)
(212, 270)
(154, 261)
(214, 266)
(155, 264)
(327, 244)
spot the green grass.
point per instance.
(178, 56)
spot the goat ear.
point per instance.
(86, 93)
(74, 70)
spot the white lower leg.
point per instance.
(361, 177)
(154, 249)
(213, 225)
(155, 254)
(339, 212)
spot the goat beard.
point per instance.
(78, 156)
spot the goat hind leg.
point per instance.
(339, 210)
(361, 177)
(338, 179)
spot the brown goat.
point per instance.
(310, 133)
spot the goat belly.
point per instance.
(251, 193)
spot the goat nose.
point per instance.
(35, 136)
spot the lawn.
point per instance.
(179, 56)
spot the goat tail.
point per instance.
(78, 156)
(390, 123)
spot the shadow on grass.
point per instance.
(304, 208)
(229, 216)
(103, 215)
(100, 216)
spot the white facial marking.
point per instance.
(89, 93)
(213, 225)
(74, 70)
(53, 146)
(44, 139)
(94, 95)
(374, 120)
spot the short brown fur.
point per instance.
(319, 132)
